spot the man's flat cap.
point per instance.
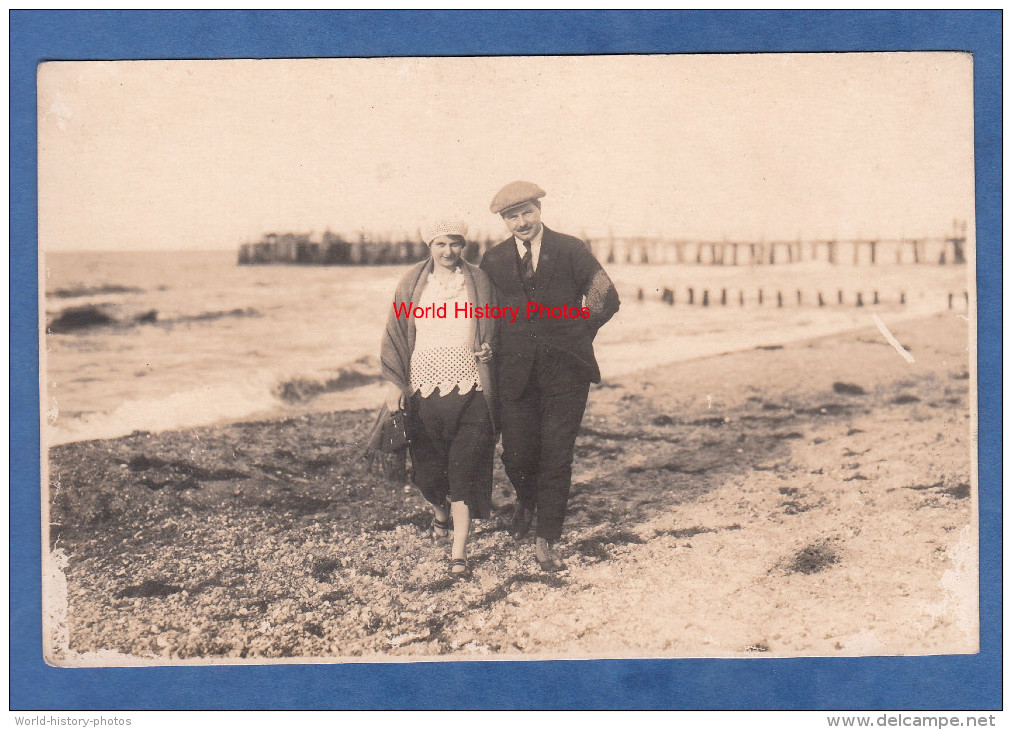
(515, 193)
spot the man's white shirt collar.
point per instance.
(535, 247)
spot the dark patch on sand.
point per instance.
(143, 462)
(297, 504)
(813, 558)
(711, 421)
(673, 467)
(313, 629)
(73, 319)
(960, 491)
(686, 532)
(421, 520)
(334, 596)
(847, 388)
(904, 399)
(323, 568)
(90, 291)
(794, 507)
(150, 589)
(596, 546)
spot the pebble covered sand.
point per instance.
(814, 498)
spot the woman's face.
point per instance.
(446, 251)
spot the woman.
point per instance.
(437, 368)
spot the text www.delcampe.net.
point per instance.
(899, 720)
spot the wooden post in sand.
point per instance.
(706, 297)
(668, 296)
(780, 299)
(950, 300)
(839, 296)
(741, 298)
(639, 294)
(760, 296)
(903, 298)
(799, 297)
(821, 302)
(723, 297)
(874, 297)
(692, 295)
(859, 302)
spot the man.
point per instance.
(545, 357)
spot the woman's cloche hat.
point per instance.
(433, 229)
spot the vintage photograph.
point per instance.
(427, 359)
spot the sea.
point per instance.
(152, 341)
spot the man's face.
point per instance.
(524, 221)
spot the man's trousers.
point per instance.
(539, 431)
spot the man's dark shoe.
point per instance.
(520, 523)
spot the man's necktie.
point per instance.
(527, 264)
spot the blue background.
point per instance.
(924, 683)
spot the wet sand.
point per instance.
(814, 498)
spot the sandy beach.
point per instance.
(810, 498)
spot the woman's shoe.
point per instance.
(440, 526)
(459, 568)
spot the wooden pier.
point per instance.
(334, 250)
(937, 250)
(369, 250)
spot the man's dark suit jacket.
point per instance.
(567, 274)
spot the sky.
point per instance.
(144, 155)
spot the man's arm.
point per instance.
(599, 293)
(494, 301)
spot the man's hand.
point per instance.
(484, 355)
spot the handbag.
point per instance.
(394, 435)
(386, 451)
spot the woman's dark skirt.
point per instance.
(452, 445)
